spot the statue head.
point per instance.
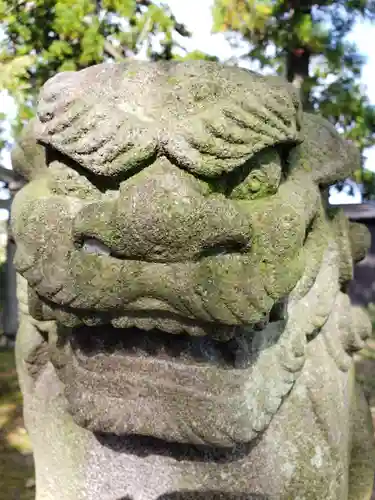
(173, 234)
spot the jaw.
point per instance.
(179, 388)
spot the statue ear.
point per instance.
(340, 226)
(28, 157)
(324, 153)
(360, 240)
(353, 241)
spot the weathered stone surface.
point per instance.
(185, 332)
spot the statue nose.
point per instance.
(163, 214)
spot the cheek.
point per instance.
(278, 247)
(37, 217)
(279, 226)
(282, 276)
(279, 232)
(232, 288)
(63, 180)
(280, 223)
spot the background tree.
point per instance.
(306, 41)
(43, 37)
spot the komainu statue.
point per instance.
(185, 329)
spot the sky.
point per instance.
(196, 15)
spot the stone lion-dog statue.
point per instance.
(185, 330)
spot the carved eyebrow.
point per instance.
(210, 168)
(101, 181)
(217, 142)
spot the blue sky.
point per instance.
(196, 14)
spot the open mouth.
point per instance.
(88, 344)
(147, 381)
(99, 348)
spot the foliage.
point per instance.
(3, 141)
(304, 40)
(43, 37)
(366, 179)
(307, 42)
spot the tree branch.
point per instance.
(110, 50)
(179, 27)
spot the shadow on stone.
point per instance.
(142, 446)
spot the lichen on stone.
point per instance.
(189, 279)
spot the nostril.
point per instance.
(228, 246)
(92, 245)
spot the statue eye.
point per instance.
(262, 177)
(68, 178)
(65, 181)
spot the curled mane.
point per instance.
(207, 117)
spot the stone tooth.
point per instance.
(121, 322)
(136, 351)
(93, 321)
(143, 323)
(194, 331)
(187, 357)
(126, 322)
(222, 334)
(169, 326)
(67, 319)
(146, 324)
